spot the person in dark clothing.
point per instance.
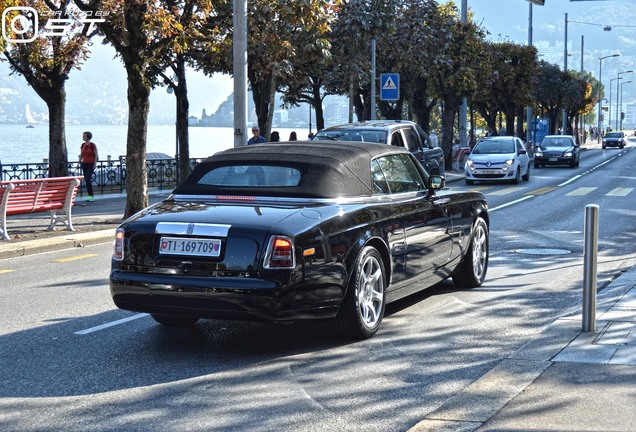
(88, 158)
(257, 138)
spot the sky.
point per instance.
(508, 19)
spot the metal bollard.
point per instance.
(589, 267)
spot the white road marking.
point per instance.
(110, 324)
(511, 203)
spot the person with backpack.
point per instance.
(88, 158)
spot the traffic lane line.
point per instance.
(111, 324)
(510, 203)
(74, 258)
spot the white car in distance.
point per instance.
(498, 158)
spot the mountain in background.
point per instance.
(96, 94)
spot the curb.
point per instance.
(30, 247)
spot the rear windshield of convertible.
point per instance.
(266, 176)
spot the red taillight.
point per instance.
(118, 247)
(280, 253)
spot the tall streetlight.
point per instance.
(565, 69)
(620, 112)
(618, 75)
(609, 115)
(600, 97)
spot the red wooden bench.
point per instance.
(55, 195)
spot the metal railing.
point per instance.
(109, 175)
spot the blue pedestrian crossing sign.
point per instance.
(390, 86)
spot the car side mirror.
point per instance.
(522, 152)
(437, 182)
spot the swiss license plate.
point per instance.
(489, 171)
(553, 159)
(190, 246)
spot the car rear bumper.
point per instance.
(215, 298)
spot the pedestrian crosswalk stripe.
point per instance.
(581, 191)
(620, 192)
(506, 191)
(541, 191)
(479, 188)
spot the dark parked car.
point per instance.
(614, 139)
(332, 230)
(399, 133)
(557, 150)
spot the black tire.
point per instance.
(527, 176)
(362, 308)
(536, 165)
(472, 270)
(517, 178)
(174, 320)
(604, 146)
(573, 164)
(470, 182)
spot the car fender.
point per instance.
(376, 242)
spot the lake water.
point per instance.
(20, 144)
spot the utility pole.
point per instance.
(239, 65)
(463, 108)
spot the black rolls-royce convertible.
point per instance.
(303, 230)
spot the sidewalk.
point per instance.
(561, 380)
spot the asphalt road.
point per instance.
(71, 361)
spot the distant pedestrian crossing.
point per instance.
(578, 192)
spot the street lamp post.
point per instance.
(609, 116)
(565, 69)
(618, 76)
(600, 97)
(620, 112)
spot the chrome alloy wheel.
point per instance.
(480, 252)
(370, 292)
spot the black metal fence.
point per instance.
(109, 175)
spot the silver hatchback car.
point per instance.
(498, 158)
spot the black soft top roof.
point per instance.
(328, 170)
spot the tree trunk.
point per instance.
(58, 156)
(448, 119)
(183, 110)
(260, 94)
(271, 103)
(317, 104)
(510, 122)
(136, 173)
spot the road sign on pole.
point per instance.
(390, 86)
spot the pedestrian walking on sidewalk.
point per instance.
(88, 158)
